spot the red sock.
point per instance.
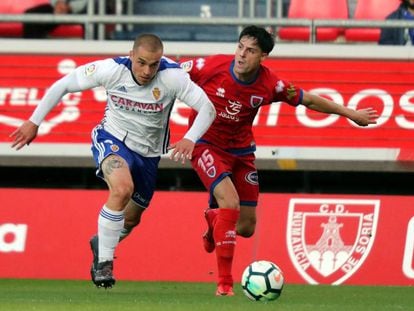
(225, 238)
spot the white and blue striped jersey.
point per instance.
(136, 114)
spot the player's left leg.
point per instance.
(246, 224)
(133, 214)
(210, 214)
(144, 175)
(246, 181)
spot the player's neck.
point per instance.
(246, 77)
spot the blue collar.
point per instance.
(239, 81)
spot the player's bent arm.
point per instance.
(205, 117)
(194, 96)
(53, 96)
(183, 149)
(73, 82)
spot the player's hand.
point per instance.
(181, 150)
(365, 117)
(24, 134)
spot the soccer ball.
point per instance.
(262, 280)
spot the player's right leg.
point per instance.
(111, 217)
(110, 154)
(224, 234)
(132, 215)
(213, 165)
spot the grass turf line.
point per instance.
(58, 295)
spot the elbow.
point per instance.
(213, 112)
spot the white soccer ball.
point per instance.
(262, 280)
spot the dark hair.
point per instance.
(264, 39)
(406, 4)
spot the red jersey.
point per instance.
(236, 102)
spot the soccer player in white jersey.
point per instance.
(134, 132)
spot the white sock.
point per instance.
(110, 224)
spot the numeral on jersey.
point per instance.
(206, 163)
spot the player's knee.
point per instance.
(131, 223)
(245, 232)
(122, 193)
(230, 202)
(246, 228)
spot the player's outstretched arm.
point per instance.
(24, 134)
(362, 117)
(27, 132)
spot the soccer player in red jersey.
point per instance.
(224, 156)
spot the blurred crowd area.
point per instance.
(359, 10)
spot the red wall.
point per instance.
(45, 234)
(386, 85)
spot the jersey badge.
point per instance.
(114, 148)
(89, 70)
(256, 101)
(187, 66)
(156, 93)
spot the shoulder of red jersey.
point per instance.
(283, 90)
(210, 61)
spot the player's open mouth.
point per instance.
(240, 63)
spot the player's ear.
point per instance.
(264, 55)
(131, 54)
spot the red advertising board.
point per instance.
(386, 85)
(316, 239)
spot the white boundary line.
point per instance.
(262, 153)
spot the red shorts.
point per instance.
(212, 164)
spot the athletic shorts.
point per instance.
(213, 164)
(143, 169)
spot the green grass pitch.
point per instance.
(56, 295)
